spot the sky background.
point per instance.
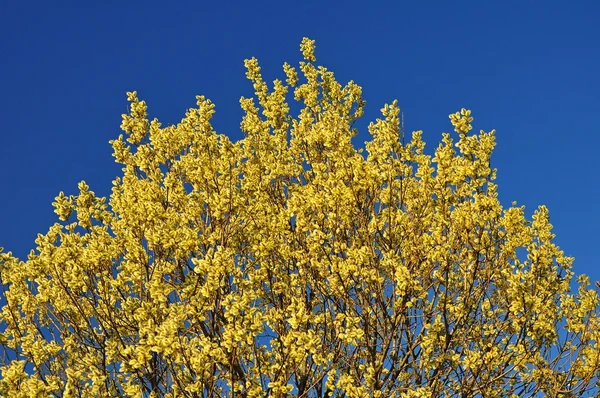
(529, 69)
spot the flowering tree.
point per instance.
(291, 264)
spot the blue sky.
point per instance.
(529, 69)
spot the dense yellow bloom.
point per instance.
(289, 263)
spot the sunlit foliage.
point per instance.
(290, 263)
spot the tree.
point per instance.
(290, 263)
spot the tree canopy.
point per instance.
(292, 264)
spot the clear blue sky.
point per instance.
(529, 69)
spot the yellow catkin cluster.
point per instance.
(290, 264)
